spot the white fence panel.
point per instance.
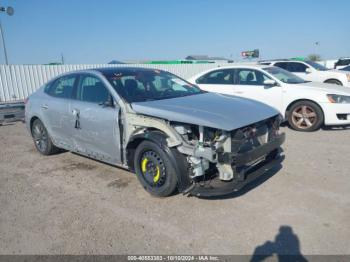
(19, 81)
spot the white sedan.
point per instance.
(305, 105)
(312, 71)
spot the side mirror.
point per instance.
(308, 70)
(108, 103)
(270, 82)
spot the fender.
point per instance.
(177, 159)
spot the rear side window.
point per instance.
(62, 87)
(91, 89)
(217, 77)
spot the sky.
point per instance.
(92, 31)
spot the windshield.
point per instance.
(317, 66)
(346, 68)
(141, 85)
(284, 75)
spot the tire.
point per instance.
(305, 116)
(155, 170)
(334, 81)
(41, 138)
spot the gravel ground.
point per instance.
(68, 204)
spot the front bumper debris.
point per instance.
(244, 174)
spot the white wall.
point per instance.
(19, 81)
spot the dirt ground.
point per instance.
(68, 204)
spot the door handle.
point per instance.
(76, 113)
(44, 106)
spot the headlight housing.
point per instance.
(339, 99)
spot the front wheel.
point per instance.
(154, 169)
(305, 116)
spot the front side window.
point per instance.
(342, 62)
(217, 77)
(250, 77)
(62, 87)
(91, 89)
(136, 85)
(283, 65)
(294, 67)
(297, 67)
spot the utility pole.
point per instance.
(10, 11)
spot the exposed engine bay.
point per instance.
(215, 150)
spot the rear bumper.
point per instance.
(216, 187)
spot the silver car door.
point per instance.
(55, 107)
(96, 129)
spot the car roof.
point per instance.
(112, 70)
(237, 65)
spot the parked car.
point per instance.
(347, 68)
(341, 63)
(312, 71)
(11, 112)
(169, 132)
(305, 105)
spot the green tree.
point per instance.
(314, 57)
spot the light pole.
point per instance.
(9, 10)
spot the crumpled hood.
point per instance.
(328, 88)
(208, 109)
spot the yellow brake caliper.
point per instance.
(143, 165)
(156, 177)
(144, 170)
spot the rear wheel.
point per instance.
(305, 116)
(334, 81)
(42, 140)
(154, 169)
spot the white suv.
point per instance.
(311, 71)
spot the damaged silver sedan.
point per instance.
(174, 136)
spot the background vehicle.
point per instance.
(341, 63)
(347, 68)
(305, 105)
(11, 111)
(312, 71)
(158, 126)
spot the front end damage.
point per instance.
(222, 162)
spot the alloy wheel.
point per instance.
(304, 117)
(40, 137)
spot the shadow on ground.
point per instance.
(286, 247)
